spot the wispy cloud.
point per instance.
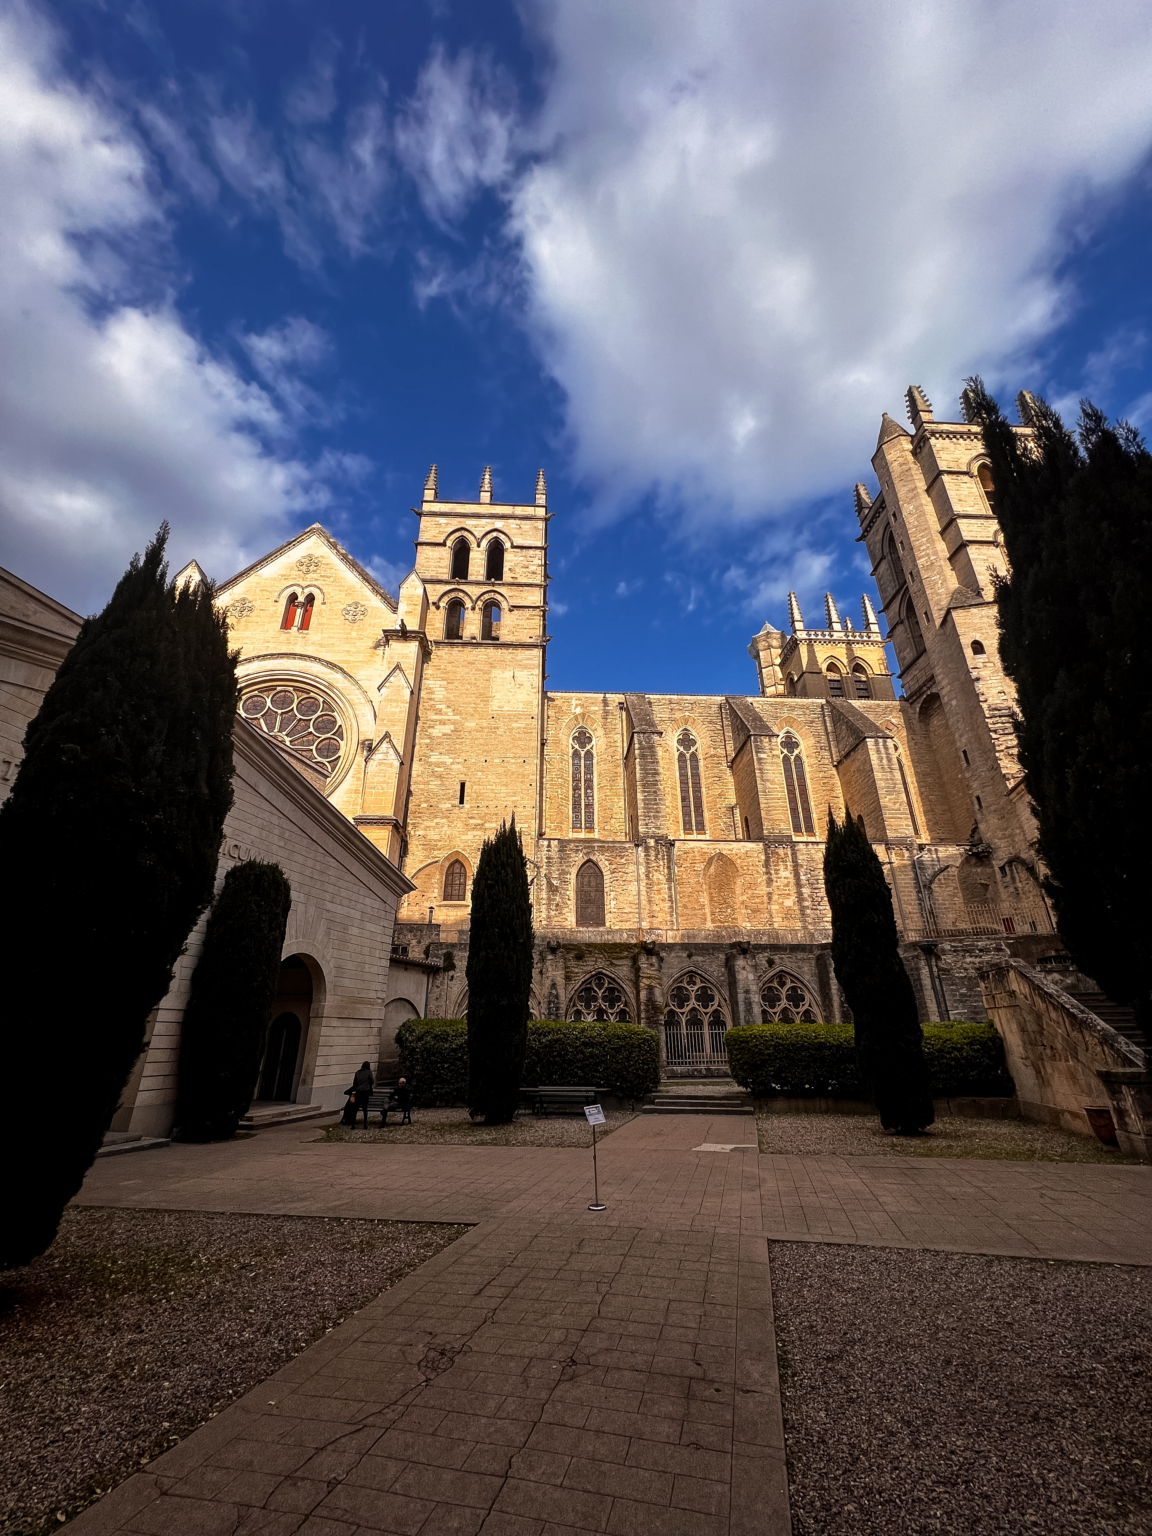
(455, 137)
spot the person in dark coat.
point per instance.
(404, 1101)
(362, 1085)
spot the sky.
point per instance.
(262, 262)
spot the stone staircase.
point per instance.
(1115, 1015)
(266, 1112)
(714, 1096)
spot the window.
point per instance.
(747, 831)
(590, 896)
(694, 1023)
(454, 621)
(691, 792)
(455, 881)
(978, 648)
(494, 562)
(289, 618)
(306, 615)
(835, 682)
(583, 786)
(490, 623)
(461, 799)
(861, 682)
(907, 794)
(784, 999)
(303, 721)
(461, 554)
(964, 755)
(601, 998)
(984, 475)
(914, 632)
(796, 785)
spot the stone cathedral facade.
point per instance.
(674, 841)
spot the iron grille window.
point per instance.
(796, 786)
(691, 791)
(784, 999)
(694, 1023)
(583, 784)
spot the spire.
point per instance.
(919, 407)
(890, 429)
(432, 486)
(541, 490)
(795, 617)
(871, 625)
(486, 483)
(863, 501)
(831, 612)
(1026, 405)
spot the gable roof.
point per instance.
(315, 530)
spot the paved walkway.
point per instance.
(556, 1371)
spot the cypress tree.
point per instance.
(109, 844)
(1076, 515)
(225, 1026)
(499, 974)
(866, 955)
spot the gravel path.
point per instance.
(452, 1127)
(136, 1326)
(963, 1396)
(861, 1136)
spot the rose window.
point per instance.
(600, 997)
(694, 1023)
(298, 718)
(785, 1000)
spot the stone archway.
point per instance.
(280, 1070)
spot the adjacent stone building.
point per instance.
(674, 841)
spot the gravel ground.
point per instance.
(963, 1396)
(136, 1326)
(1018, 1141)
(452, 1127)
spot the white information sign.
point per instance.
(594, 1114)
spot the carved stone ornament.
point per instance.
(241, 608)
(354, 612)
(308, 565)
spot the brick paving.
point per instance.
(557, 1371)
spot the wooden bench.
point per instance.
(382, 1100)
(560, 1097)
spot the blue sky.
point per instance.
(265, 260)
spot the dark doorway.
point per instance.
(287, 1034)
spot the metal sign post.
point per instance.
(595, 1116)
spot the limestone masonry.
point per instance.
(675, 841)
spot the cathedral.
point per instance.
(674, 841)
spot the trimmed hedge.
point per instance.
(819, 1060)
(624, 1059)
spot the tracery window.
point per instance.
(861, 682)
(583, 784)
(494, 561)
(694, 1023)
(454, 620)
(784, 999)
(461, 553)
(590, 895)
(600, 998)
(796, 786)
(490, 623)
(455, 881)
(835, 682)
(299, 718)
(289, 618)
(691, 791)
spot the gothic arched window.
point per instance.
(691, 791)
(915, 635)
(454, 620)
(835, 681)
(289, 618)
(600, 998)
(796, 786)
(494, 562)
(784, 999)
(984, 475)
(583, 783)
(590, 896)
(861, 682)
(694, 1023)
(490, 623)
(461, 553)
(455, 881)
(306, 614)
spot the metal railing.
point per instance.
(695, 1044)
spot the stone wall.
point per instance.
(36, 633)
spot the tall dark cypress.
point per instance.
(109, 844)
(1076, 516)
(866, 956)
(499, 976)
(225, 1026)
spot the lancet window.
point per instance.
(490, 622)
(494, 561)
(454, 620)
(306, 612)
(784, 999)
(583, 781)
(590, 895)
(835, 682)
(861, 682)
(691, 789)
(289, 618)
(796, 786)
(461, 553)
(455, 881)
(984, 475)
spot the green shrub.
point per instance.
(819, 1060)
(623, 1059)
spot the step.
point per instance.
(263, 1115)
(1115, 1015)
(696, 1109)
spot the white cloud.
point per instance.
(748, 228)
(112, 415)
(455, 136)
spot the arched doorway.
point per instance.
(280, 1070)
